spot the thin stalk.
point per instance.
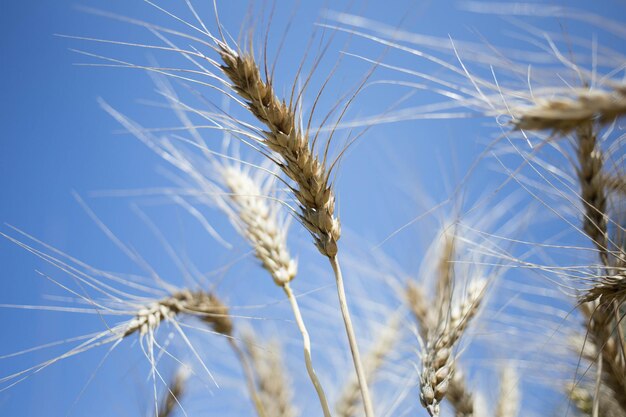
(306, 341)
(354, 349)
(250, 381)
(596, 395)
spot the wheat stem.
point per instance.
(596, 395)
(354, 349)
(348, 403)
(306, 341)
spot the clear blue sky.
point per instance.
(55, 139)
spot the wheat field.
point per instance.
(289, 209)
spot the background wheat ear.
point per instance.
(438, 358)
(174, 392)
(570, 113)
(348, 402)
(271, 378)
(508, 404)
(205, 305)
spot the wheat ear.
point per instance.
(210, 309)
(285, 137)
(509, 398)
(312, 187)
(259, 224)
(616, 183)
(582, 398)
(459, 396)
(579, 115)
(600, 326)
(271, 378)
(438, 358)
(570, 113)
(608, 289)
(430, 315)
(592, 190)
(175, 391)
(205, 305)
(420, 308)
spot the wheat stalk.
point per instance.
(348, 403)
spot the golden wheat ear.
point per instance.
(284, 137)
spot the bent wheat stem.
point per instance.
(354, 349)
(307, 349)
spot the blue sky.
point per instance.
(56, 140)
